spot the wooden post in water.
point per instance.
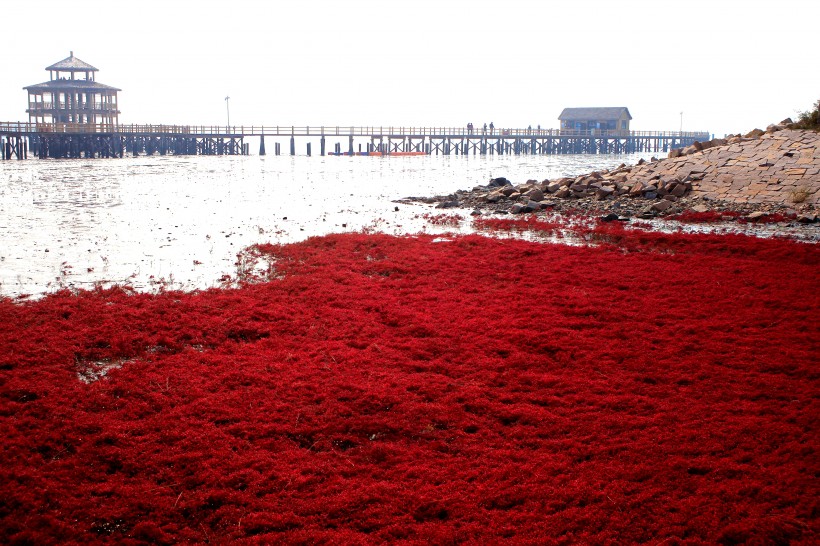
(322, 146)
(308, 149)
(292, 146)
(262, 145)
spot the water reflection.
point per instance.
(184, 219)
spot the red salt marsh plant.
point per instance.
(652, 388)
(449, 220)
(770, 218)
(530, 224)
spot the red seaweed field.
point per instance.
(366, 388)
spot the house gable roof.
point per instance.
(594, 114)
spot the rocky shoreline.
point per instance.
(772, 175)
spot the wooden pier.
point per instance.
(74, 140)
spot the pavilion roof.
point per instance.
(82, 85)
(72, 64)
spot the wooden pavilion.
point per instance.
(72, 95)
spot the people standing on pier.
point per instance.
(470, 128)
(484, 132)
(492, 128)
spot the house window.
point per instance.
(624, 124)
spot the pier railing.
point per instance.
(337, 130)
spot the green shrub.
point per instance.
(808, 120)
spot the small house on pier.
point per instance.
(605, 121)
(72, 95)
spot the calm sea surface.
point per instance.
(183, 219)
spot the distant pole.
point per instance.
(681, 122)
(228, 106)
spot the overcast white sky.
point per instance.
(728, 65)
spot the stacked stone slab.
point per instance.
(779, 167)
(773, 170)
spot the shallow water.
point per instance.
(181, 220)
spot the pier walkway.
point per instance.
(68, 140)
